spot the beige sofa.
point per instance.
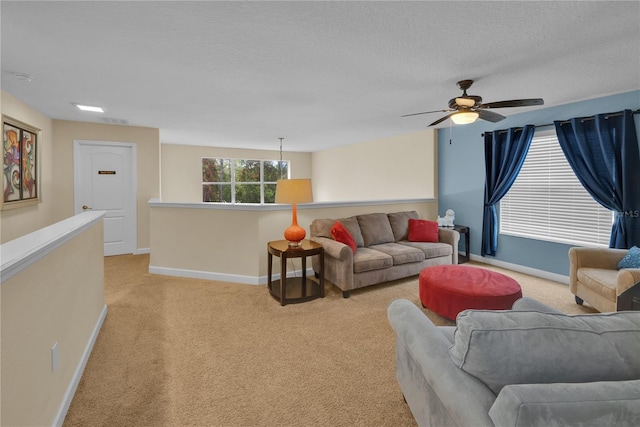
(383, 252)
(593, 276)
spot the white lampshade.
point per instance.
(292, 191)
(464, 117)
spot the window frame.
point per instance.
(233, 183)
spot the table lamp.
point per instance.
(293, 191)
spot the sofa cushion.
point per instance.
(631, 259)
(401, 254)
(431, 250)
(322, 228)
(366, 259)
(594, 404)
(342, 235)
(351, 224)
(423, 230)
(400, 223)
(375, 229)
(524, 347)
(600, 280)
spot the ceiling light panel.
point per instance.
(91, 108)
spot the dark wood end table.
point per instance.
(463, 230)
(629, 299)
(295, 289)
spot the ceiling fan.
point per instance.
(467, 108)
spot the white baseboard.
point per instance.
(523, 269)
(77, 375)
(207, 275)
(262, 280)
(233, 278)
(141, 251)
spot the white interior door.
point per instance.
(105, 180)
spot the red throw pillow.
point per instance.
(342, 235)
(423, 230)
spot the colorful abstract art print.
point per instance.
(11, 163)
(20, 163)
(29, 187)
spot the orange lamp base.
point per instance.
(294, 234)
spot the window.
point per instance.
(240, 180)
(547, 202)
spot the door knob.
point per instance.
(86, 208)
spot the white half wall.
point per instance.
(52, 285)
(229, 242)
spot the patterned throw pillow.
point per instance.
(342, 235)
(631, 260)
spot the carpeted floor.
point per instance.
(177, 352)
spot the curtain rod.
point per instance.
(569, 121)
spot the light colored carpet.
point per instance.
(176, 352)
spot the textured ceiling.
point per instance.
(319, 74)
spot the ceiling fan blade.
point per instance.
(490, 116)
(426, 112)
(513, 103)
(440, 120)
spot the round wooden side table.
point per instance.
(295, 289)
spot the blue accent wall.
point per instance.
(461, 177)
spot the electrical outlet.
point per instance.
(55, 357)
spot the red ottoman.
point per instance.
(449, 289)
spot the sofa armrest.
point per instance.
(627, 277)
(422, 355)
(586, 404)
(451, 237)
(530, 304)
(334, 248)
(338, 263)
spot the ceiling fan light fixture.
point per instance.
(467, 109)
(465, 102)
(464, 117)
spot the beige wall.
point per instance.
(396, 168)
(23, 220)
(220, 241)
(231, 243)
(181, 167)
(400, 167)
(147, 142)
(59, 298)
(56, 169)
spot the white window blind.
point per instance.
(547, 202)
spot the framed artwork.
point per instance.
(20, 170)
